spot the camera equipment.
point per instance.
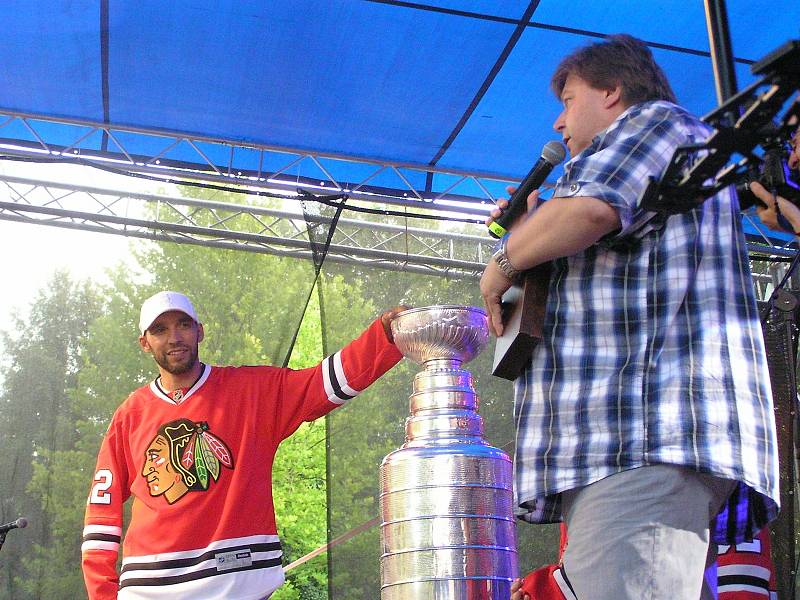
(773, 171)
(742, 123)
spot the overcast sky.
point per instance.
(32, 253)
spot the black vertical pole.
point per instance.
(780, 341)
(719, 40)
(104, 32)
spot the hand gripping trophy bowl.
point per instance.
(447, 530)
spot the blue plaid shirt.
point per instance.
(652, 349)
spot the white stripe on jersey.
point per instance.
(242, 584)
(562, 584)
(748, 570)
(105, 529)
(210, 563)
(335, 380)
(99, 545)
(740, 587)
(232, 568)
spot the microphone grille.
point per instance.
(553, 152)
(22, 522)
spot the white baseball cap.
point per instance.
(162, 302)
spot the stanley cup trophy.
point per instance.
(447, 530)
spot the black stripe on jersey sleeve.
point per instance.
(195, 560)
(337, 388)
(102, 537)
(566, 580)
(172, 579)
(738, 579)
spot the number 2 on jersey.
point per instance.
(99, 495)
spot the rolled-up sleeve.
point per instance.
(617, 166)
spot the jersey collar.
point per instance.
(182, 395)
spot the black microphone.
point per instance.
(20, 523)
(552, 154)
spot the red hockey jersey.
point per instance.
(547, 583)
(550, 582)
(746, 571)
(200, 471)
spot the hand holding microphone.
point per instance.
(552, 154)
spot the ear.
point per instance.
(200, 333)
(612, 97)
(144, 344)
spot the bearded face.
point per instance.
(173, 340)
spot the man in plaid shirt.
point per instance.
(645, 417)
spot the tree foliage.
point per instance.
(43, 355)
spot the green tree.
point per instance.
(43, 355)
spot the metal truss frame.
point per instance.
(254, 227)
(248, 227)
(176, 155)
(227, 164)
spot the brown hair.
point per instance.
(620, 60)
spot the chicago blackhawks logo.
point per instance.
(184, 456)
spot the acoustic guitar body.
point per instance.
(523, 318)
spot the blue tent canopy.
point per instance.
(444, 85)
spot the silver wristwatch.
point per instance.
(501, 259)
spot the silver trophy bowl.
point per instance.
(444, 332)
(447, 525)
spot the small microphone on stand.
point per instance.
(552, 154)
(20, 523)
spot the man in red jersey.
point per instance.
(195, 449)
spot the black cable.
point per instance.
(769, 258)
(793, 593)
(338, 201)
